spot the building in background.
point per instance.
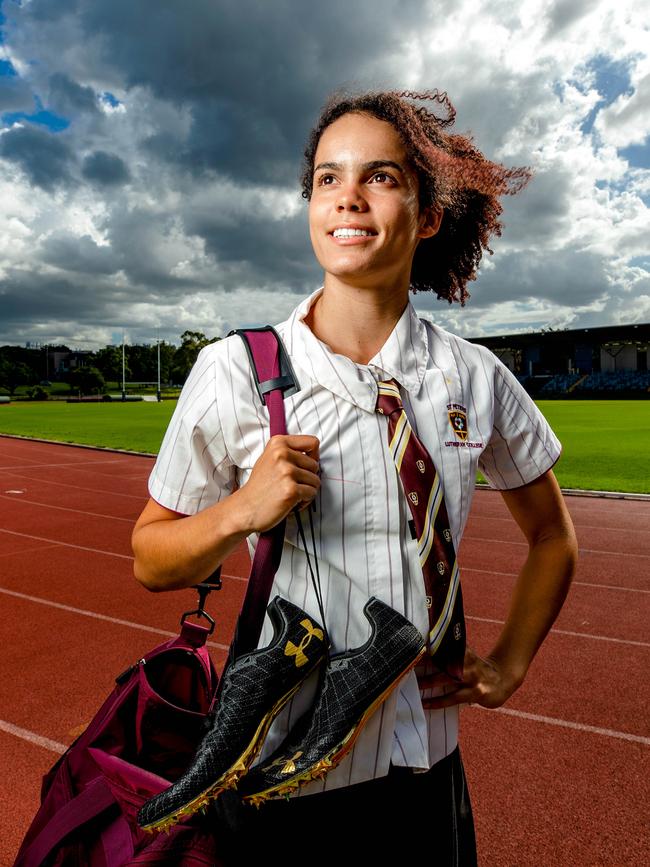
(580, 362)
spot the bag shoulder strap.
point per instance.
(271, 367)
(94, 799)
(275, 379)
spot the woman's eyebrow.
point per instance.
(375, 164)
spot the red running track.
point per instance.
(559, 776)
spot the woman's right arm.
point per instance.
(174, 551)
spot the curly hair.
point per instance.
(452, 174)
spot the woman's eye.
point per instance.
(382, 177)
(324, 180)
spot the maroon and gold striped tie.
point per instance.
(423, 488)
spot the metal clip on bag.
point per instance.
(146, 732)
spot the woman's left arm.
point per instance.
(538, 595)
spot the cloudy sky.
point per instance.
(150, 152)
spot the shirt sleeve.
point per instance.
(522, 446)
(193, 469)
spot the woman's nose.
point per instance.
(350, 199)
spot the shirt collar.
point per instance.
(403, 357)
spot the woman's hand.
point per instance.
(284, 476)
(484, 682)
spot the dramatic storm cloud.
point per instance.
(150, 153)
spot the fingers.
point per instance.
(300, 451)
(302, 443)
(463, 695)
(430, 681)
(305, 462)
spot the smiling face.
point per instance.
(364, 215)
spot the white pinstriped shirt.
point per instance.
(220, 428)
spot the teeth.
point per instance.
(350, 233)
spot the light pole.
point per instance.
(123, 370)
(158, 394)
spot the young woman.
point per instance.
(397, 203)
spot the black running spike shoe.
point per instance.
(255, 688)
(352, 687)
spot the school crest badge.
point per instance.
(458, 421)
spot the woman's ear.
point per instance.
(430, 220)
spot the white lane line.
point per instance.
(96, 616)
(237, 577)
(21, 551)
(579, 583)
(9, 456)
(56, 747)
(611, 552)
(75, 464)
(54, 543)
(611, 587)
(66, 509)
(43, 482)
(569, 632)
(66, 544)
(32, 737)
(568, 724)
(510, 520)
(581, 550)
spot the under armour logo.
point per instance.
(447, 535)
(289, 764)
(441, 567)
(299, 651)
(420, 466)
(413, 497)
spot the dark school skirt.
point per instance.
(401, 816)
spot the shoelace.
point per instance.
(315, 578)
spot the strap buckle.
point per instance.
(287, 381)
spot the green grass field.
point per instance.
(606, 442)
(138, 427)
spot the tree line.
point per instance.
(90, 372)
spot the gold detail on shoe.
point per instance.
(299, 651)
(289, 764)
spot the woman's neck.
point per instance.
(355, 322)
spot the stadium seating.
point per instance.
(608, 383)
(616, 381)
(560, 383)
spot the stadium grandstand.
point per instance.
(606, 362)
